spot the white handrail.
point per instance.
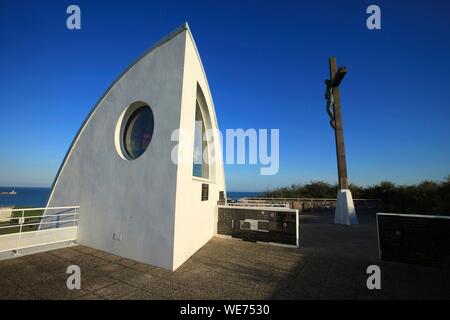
(413, 215)
(36, 224)
(48, 215)
(64, 228)
(45, 208)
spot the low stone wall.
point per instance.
(5, 214)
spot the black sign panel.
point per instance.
(258, 225)
(414, 239)
(205, 191)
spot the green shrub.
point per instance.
(427, 197)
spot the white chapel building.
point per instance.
(141, 194)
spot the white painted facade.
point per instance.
(148, 209)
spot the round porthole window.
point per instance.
(135, 129)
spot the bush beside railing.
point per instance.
(430, 197)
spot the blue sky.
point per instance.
(266, 63)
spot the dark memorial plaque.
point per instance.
(263, 225)
(415, 239)
(205, 191)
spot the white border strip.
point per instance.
(413, 215)
(269, 243)
(297, 227)
(378, 238)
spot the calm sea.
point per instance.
(25, 197)
(37, 197)
(237, 195)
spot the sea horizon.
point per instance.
(38, 196)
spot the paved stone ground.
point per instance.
(331, 264)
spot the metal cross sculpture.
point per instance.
(334, 111)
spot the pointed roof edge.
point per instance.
(159, 43)
(213, 107)
(186, 27)
(174, 33)
(171, 35)
(165, 39)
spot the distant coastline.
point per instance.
(37, 196)
(12, 192)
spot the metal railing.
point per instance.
(300, 199)
(304, 203)
(32, 227)
(258, 204)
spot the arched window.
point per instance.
(201, 163)
(203, 140)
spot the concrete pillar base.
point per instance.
(345, 210)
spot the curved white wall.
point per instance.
(195, 220)
(150, 201)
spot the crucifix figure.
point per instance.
(345, 210)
